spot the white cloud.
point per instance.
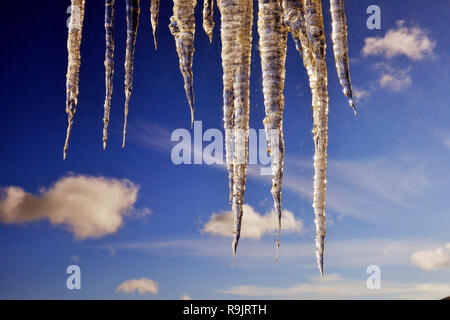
(254, 225)
(336, 287)
(395, 82)
(437, 259)
(411, 42)
(393, 78)
(142, 285)
(185, 296)
(360, 94)
(89, 207)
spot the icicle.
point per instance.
(316, 35)
(73, 64)
(242, 33)
(294, 17)
(208, 18)
(229, 21)
(109, 64)
(133, 11)
(340, 48)
(154, 14)
(272, 46)
(182, 26)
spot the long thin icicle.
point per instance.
(109, 64)
(241, 89)
(73, 64)
(340, 48)
(208, 17)
(133, 8)
(272, 46)
(316, 35)
(182, 27)
(154, 15)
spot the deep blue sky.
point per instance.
(388, 173)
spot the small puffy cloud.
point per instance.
(437, 259)
(393, 78)
(411, 42)
(254, 225)
(142, 285)
(89, 207)
(360, 94)
(395, 82)
(185, 296)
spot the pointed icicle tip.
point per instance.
(278, 248)
(155, 40)
(352, 105)
(192, 117)
(320, 262)
(66, 143)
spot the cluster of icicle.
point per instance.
(303, 19)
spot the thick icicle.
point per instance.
(229, 21)
(241, 89)
(340, 48)
(294, 17)
(109, 64)
(208, 17)
(133, 8)
(73, 64)
(182, 27)
(154, 14)
(316, 35)
(272, 46)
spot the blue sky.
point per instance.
(388, 169)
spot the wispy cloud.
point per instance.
(89, 207)
(437, 259)
(412, 42)
(254, 225)
(369, 189)
(360, 94)
(336, 287)
(395, 81)
(142, 285)
(349, 253)
(444, 137)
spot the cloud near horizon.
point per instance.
(334, 286)
(254, 225)
(142, 285)
(431, 260)
(89, 207)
